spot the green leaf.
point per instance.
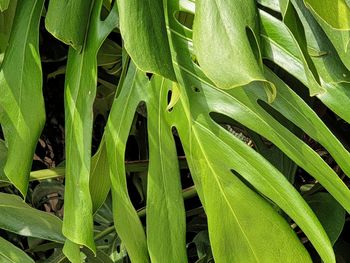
(10, 253)
(241, 106)
(271, 4)
(336, 13)
(212, 174)
(99, 183)
(22, 103)
(280, 46)
(146, 43)
(4, 4)
(20, 218)
(72, 251)
(175, 96)
(164, 192)
(110, 53)
(329, 212)
(3, 155)
(334, 76)
(333, 17)
(6, 20)
(232, 26)
(80, 91)
(116, 135)
(291, 106)
(68, 21)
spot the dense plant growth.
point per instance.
(174, 130)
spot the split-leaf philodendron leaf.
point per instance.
(176, 78)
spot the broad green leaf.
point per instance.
(224, 193)
(219, 190)
(276, 157)
(20, 218)
(80, 90)
(239, 105)
(9, 253)
(258, 120)
(329, 212)
(232, 26)
(164, 192)
(309, 224)
(146, 43)
(336, 13)
(68, 21)
(116, 135)
(266, 183)
(4, 4)
(21, 102)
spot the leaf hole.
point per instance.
(136, 154)
(254, 44)
(169, 99)
(279, 117)
(1, 133)
(185, 19)
(242, 179)
(233, 127)
(149, 75)
(196, 89)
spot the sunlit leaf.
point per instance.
(140, 42)
(80, 91)
(21, 101)
(11, 253)
(68, 21)
(233, 26)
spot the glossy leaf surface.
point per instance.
(10, 253)
(22, 113)
(80, 91)
(140, 42)
(20, 218)
(232, 26)
(68, 21)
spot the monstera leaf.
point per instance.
(232, 68)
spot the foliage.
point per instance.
(238, 94)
